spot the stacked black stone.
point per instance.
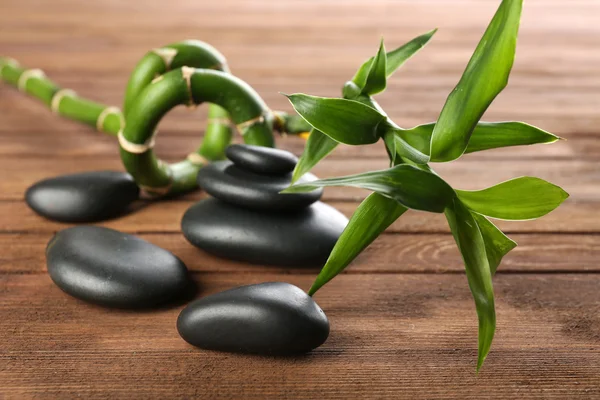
(250, 220)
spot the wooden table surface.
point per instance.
(403, 324)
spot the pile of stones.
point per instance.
(248, 220)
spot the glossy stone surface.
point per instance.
(84, 197)
(114, 269)
(229, 183)
(261, 160)
(268, 318)
(302, 238)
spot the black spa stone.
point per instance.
(114, 269)
(261, 160)
(229, 183)
(269, 318)
(302, 238)
(84, 197)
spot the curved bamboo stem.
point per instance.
(252, 117)
(246, 108)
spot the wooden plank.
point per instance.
(175, 143)
(550, 88)
(410, 336)
(165, 216)
(390, 253)
(578, 177)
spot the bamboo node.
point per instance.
(166, 54)
(156, 191)
(57, 98)
(186, 73)
(28, 74)
(220, 120)
(157, 79)
(136, 148)
(197, 159)
(105, 113)
(5, 62)
(242, 127)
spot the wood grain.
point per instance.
(578, 177)
(392, 335)
(391, 253)
(402, 318)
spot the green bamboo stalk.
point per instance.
(253, 118)
(186, 85)
(63, 102)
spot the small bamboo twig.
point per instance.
(185, 73)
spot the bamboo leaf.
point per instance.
(472, 248)
(376, 79)
(408, 185)
(486, 136)
(493, 135)
(497, 244)
(516, 199)
(345, 121)
(369, 220)
(484, 78)
(395, 58)
(318, 146)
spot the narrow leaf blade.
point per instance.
(472, 248)
(485, 77)
(412, 187)
(493, 135)
(376, 79)
(486, 136)
(517, 199)
(369, 220)
(395, 58)
(345, 121)
(497, 244)
(318, 146)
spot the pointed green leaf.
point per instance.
(516, 199)
(472, 248)
(318, 146)
(408, 185)
(497, 244)
(395, 58)
(486, 136)
(484, 78)
(376, 79)
(493, 135)
(369, 220)
(345, 121)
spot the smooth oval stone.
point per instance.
(261, 160)
(114, 269)
(85, 197)
(229, 183)
(303, 238)
(268, 318)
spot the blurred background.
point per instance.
(315, 46)
(311, 47)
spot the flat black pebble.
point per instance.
(229, 183)
(114, 269)
(85, 197)
(303, 238)
(261, 160)
(268, 318)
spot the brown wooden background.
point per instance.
(403, 322)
